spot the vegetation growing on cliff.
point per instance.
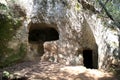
(109, 9)
(8, 27)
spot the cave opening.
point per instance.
(88, 58)
(38, 34)
(43, 34)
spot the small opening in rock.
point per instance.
(38, 34)
(88, 58)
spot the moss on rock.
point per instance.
(13, 56)
(8, 28)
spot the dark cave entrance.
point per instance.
(43, 34)
(38, 34)
(88, 58)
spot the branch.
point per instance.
(106, 11)
(105, 4)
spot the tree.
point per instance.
(109, 8)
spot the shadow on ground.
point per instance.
(56, 71)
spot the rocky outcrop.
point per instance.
(78, 31)
(12, 35)
(107, 39)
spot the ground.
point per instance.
(56, 71)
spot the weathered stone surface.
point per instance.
(78, 30)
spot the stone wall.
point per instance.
(12, 35)
(78, 30)
(107, 39)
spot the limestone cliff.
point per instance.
(65, 31)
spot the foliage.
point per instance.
(8, 27)
(2, 7)
(109, 9)
(14, 57)
(114, 8)
(7, 31)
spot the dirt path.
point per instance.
(56, 71)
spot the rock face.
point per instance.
(62, 31)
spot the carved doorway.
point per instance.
(88, 58)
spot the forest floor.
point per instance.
(56, 71)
